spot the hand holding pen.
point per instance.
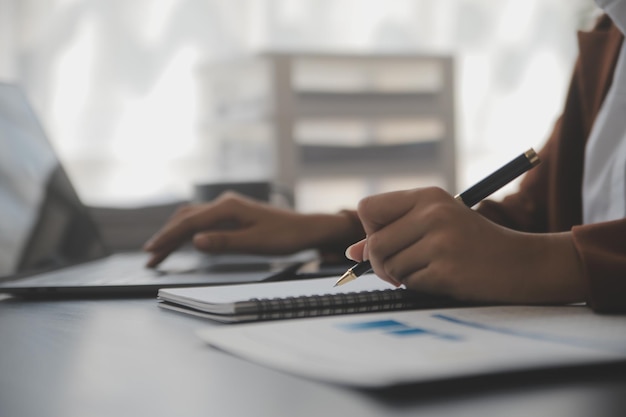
(410, 233)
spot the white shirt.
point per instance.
(604, 178)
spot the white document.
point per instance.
(381, 349)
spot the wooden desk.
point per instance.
(127, 357)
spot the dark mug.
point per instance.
(258, 190)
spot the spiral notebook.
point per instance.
(295, 299)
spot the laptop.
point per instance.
(51, 246)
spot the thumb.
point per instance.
(358, 251)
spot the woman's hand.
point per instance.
(236, 224)
(430, 242)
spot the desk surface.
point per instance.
(127, 357)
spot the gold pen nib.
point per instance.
(345, 278)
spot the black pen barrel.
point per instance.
(361, 268)
(499, 178)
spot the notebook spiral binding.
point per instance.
(342, 303)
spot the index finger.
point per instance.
(378, 211)
(162, 244)
(182, 227)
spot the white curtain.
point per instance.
(115, 84)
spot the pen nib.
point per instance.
(345, 278)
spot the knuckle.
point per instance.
(187, 222)
(434, 193)
(229, 197)
(182, 210)
(438, 213)
(438, 244)
(364, 205)
(230, 200)
(374, 244)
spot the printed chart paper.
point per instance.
(381, 349)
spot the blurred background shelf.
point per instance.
(312, 116)
(321, 161)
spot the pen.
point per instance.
(469, 197)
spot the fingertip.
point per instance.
(393, 281)
(366, 253)
(390, 281)
(156, 259)
(357, 251)
(201, 241)
(349, 254)
(151, 263)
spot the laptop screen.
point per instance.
(43, 224)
